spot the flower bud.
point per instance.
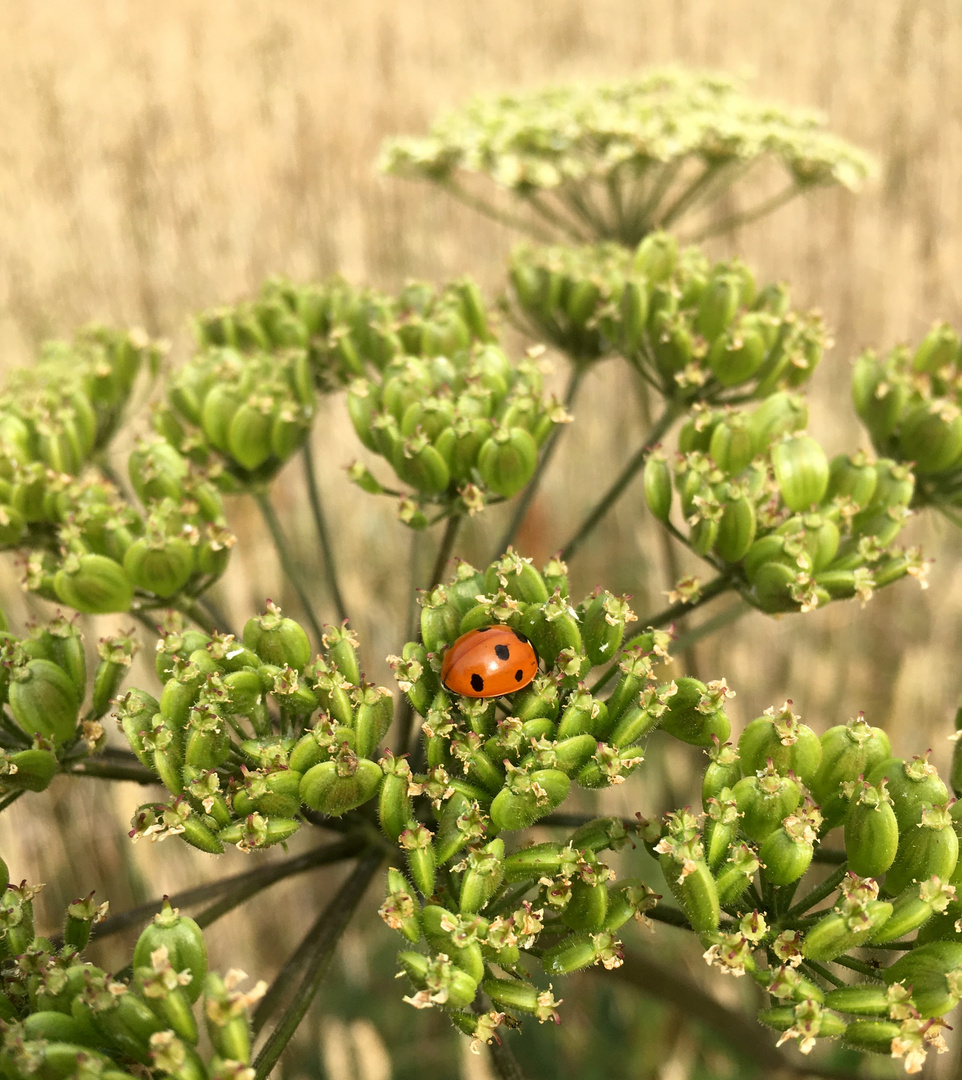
(913, 908)
(930, 849)
(801, 470)
(692, 715)
(657, 480)
(278, 640)
(528, 797)
(848, 752)
(879, 398)
(693, 886)
(334, 787)
(835, 933)
(787, 852)
(27, 770)
(930, 436)
(482, 877)
(871, 830)
(778, 737)
(183, 939)
(933, 972)
(912, 786)
(439, 980)
(736, 356)
(764, 800)
(718, 305)
(161, 566)
(579, 951)
(871, 1036)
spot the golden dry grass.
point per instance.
(158, 158)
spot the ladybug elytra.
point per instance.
(489, 662)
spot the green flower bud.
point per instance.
(417, 841)
(780, 738)
(693, 886)
(932, 971)
(603, 626)
(879, 399)
(724, 770)
(94, 585)
(419, 463)
(278, 640)
(787, 852)
(736, 528)
(507, 460)
(801, 470)
(721, 827)
(871, 830)
(863, 999)
(439, 980)
(834, 935)
(400, 909)
(482, 877)
(162, 566)
(226, 1019)
(184, 941)
(871, 1036)
(375, 713)
(44, 701)
(587, 909)
(334, 787)
(778, 415)
(938, 349)
(527, 797)
(461, 822)
(764, 800)
(736, 356)
(449, 934)
(852, 477)
(718, 305)
(913, 908)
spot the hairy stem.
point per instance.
(323, 533)
(828, 886)
(624, 478)
(287, 561)
(113, 770)
(313, 956)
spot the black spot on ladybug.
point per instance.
(502, 652)
(477, 683)
(518, 675)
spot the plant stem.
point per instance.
(733, 221)
(709, 626)
(504, 1061)
(196, 614)
(824, 973)
(444, 550)
(9, 799)
(106, 770)
(323, 533)
(627, 474)
(287, 561)
(501, 216)
(858, 965)
(667, 616)
(314, 955)
(521, 508)
(828, 886)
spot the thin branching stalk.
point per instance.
(512, 221)
(568, 228)
(860, 966)
(9, 799)
(503, 1059)
(288, 565)
(646, 203)
(818, 894)
(323, 533)
(624, 478)
(445, 549)
(521, 508)
(735, 221)
(823, 973)
(131, 771)
(316, 951)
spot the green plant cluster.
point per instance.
(696, 331)
(63, 1016)
(627, 157)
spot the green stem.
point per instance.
(521, 508)
(287, 561)
(215, 614)
(686, 197)
(627, 474)
(323, 533)
(504, 1061)
(733, 221)
(106, 770)
(502, 217)
(445, 548)
(313, 956)
(823, 973)
(569, 228)
(9, 799)
(858, 965)
(828, 886)
(646, 203)
(710, 626)
(829, 855)
(196, 614)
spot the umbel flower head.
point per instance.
(658, 145)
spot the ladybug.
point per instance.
(489, 662)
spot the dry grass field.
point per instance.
(159, 158)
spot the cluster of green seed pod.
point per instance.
(97, 553)
(246, 413)
(761, 501)
(736, 871)
(62, 1016)
(56, 415)
(459, 424)
(911, 405)
(249, 735)
(697, 331)
(52, 712)
(345, 330)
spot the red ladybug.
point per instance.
(489, 662)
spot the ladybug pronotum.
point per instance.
(489, 662)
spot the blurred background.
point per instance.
(159, 159)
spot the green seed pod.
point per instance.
(736, 356)
(443, 978)
(938, 349)
(778, 415)
(736, 528)
(394, 803)
(852, 477)
(848, 752)
(579, 951)
(537, 861)
(32, 770)
(801, 470)
(928, 970)
(334, 787)
(227, 1025)
(912, 786)
(440, 622)
(507, 460)
(871, 831)
(879, 400)
(912, 909)
(208, 742)
(832, 935)
(764, 800)
(785, 854)
(419, 463)
(184, 942)
(400, 909)
(603, 626)
(257, 832)
(633, 726)
(930, 849)
(198, 835)
(778, 737)
(863, 999)
(416, 840)
(162, 567)
(278, 640)
(93, 585)
(482, 877)
(657, 480)
(517, 995)
(783, 1017)
(930, 435)
(583, 714)
(529, 797)
(718, 305)
(691, 717)
(518, 577)
(694, 888)
(44, 701)
(442, 930)
(375, 712)
(587, 909)
(871, 1036)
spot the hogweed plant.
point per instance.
(822, 867)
